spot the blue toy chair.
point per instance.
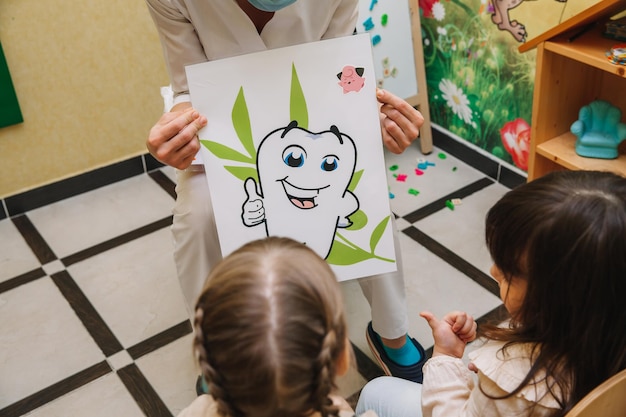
(599, 130)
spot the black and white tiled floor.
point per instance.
(93, 322)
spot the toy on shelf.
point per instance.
(599, 130)
(617, 54)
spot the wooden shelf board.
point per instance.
(561, 150)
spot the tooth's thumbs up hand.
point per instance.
(252, 211)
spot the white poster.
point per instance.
(293, 148)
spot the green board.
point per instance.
(10, 113)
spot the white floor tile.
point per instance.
(41, 342)
(172, 372)
(104, 397)
(434, 285)
(351, 382)
(16, 257)
(119, 360)
(446, 176)
(134, 287)
(462, 230)
(53, 267)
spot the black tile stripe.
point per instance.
(476, 160)
(86, 312)
(366, 367)
(25, 278)
(56, 390)
(465, 153)
(117, 241)
(353, 399)
(35, 241)
(158, 341)
(511, 179)
(497, 315)
(164, 181)
(151, 162)
(453, 259)
(48, 194)
(440, 204)
(145, 396)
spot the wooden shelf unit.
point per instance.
(560, 150)
(572, 70)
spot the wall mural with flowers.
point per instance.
(480, 88)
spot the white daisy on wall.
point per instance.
(456, 99)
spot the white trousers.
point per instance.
(197, 250)
(391, 397)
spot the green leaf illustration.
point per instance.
(297, 103)
(354, 181)
(378, 233)
(342, 254)
(224, 152)
(348, 253)
(243, 173)
(358, 219)
(241, 123)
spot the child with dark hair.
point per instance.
(559, 249)
(271, 335)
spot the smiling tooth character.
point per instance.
(303, 186)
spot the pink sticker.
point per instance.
(351, 79)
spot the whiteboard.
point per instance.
(394, 59)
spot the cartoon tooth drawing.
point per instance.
(303, 185)
(351, 79)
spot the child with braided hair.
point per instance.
(270, 335)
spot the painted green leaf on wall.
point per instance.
(10, 112)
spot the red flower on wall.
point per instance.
(516, 140)
(427, 7)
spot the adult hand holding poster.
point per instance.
(293, 148)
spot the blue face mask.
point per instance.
(271, 5)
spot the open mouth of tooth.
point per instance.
(302, 203)
(301, 198)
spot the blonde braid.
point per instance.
(325, 384)
(211, 376)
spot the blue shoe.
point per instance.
(201, 386)
(411, 372)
